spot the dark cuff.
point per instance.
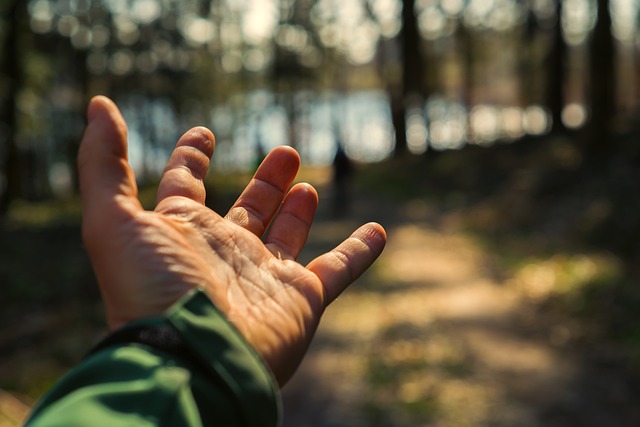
(160, 336)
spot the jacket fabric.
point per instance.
(210, 377)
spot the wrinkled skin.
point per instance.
(146, 260)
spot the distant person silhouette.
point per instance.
(342, 171)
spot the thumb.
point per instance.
(107, 183)
(340, 267)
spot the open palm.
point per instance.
(146, 260)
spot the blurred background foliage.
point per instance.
(381, 77)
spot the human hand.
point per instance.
(146, 260)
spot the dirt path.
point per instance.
(435, 336)
(12, 410)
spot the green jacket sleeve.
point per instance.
(223, 382)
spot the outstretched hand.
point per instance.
(146, 260)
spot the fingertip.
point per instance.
(200, 138)
(206, 133)
(279, 167)
(307, 190)
(373, 236)
(286, 149)
(376, 232)
(285, 154)
(99, 105)
(94, 108)
(105, 121)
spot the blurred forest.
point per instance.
(516, 120)
(382, 77)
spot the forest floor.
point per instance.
(444, 332)
(473, 316)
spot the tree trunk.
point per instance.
(8, 110)
(556, 73)
(602, 85)
(412, 66)
(413, 69)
